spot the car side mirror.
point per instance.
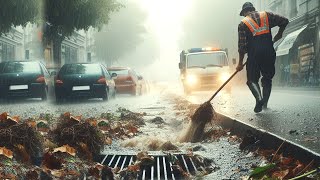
(234, 61)
(53, 73)
(114, 75)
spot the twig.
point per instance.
(304, 169)
(306, 174)
(277, 151)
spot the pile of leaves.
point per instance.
(82, 135)
(11, 169)
(63, 163)
(21, 138)
(123, 125)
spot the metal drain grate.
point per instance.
(160, 169)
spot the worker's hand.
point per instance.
(239, 67)
(277, 37)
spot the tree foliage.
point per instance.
(63, 17)
(122, 35)
(18, 12)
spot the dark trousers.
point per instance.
(261, 62)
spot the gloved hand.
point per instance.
(277, 37)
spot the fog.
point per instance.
(174, 25)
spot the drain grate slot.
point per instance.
(161, 169)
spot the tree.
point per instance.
(122, 35)
(18, 12)
(63, 17)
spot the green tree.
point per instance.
(63, 17)
(122, 35)
(18, 12)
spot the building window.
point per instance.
(7, 52)
(69, 54)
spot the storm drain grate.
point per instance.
(160, 169)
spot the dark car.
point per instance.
(127, 81)
(84, 80)
(28, 79)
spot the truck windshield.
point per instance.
(215, 59)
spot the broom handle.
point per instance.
(224, 84)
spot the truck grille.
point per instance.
(208, 79)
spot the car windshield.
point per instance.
(82, 69)
(215, 59)
(120, 72)
(20, 67)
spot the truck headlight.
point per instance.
(224, 77)
(191, 79)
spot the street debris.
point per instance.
(20, 138)
(157, 120)
(62, 163)
(82, 135)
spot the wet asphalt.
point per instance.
(293, 113)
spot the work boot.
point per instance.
(255, 89)
(266, 91)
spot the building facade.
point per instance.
(11, 45)
(298, 59)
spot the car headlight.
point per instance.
(224, 77)
(191, 79)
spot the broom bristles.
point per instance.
(204, 114)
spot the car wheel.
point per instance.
(44, 96)
(59, 98)
(105, 97)
(114, 94)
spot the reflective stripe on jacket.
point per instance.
(255, 29)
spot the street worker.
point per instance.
(255, 39)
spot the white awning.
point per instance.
(288, 42)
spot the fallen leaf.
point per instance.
(3, 116)
(280, 174)
(299, 167)
(66, 149)
(6, 152)
(108, 141)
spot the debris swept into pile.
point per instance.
(62, 163)
(21, 138)
(11, 169)
(86, 138)
(20, 145)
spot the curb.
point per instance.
(269, 140)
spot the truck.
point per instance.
(204, 68)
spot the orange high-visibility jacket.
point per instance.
(255, 29)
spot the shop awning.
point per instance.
(288, 42)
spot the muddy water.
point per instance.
(231, 162)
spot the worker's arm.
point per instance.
(242, 45)
(277, 20)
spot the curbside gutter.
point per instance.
(268, 140)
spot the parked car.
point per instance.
(127, 81)
(28, 79)
(87, 80)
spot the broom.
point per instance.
(205, 113)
